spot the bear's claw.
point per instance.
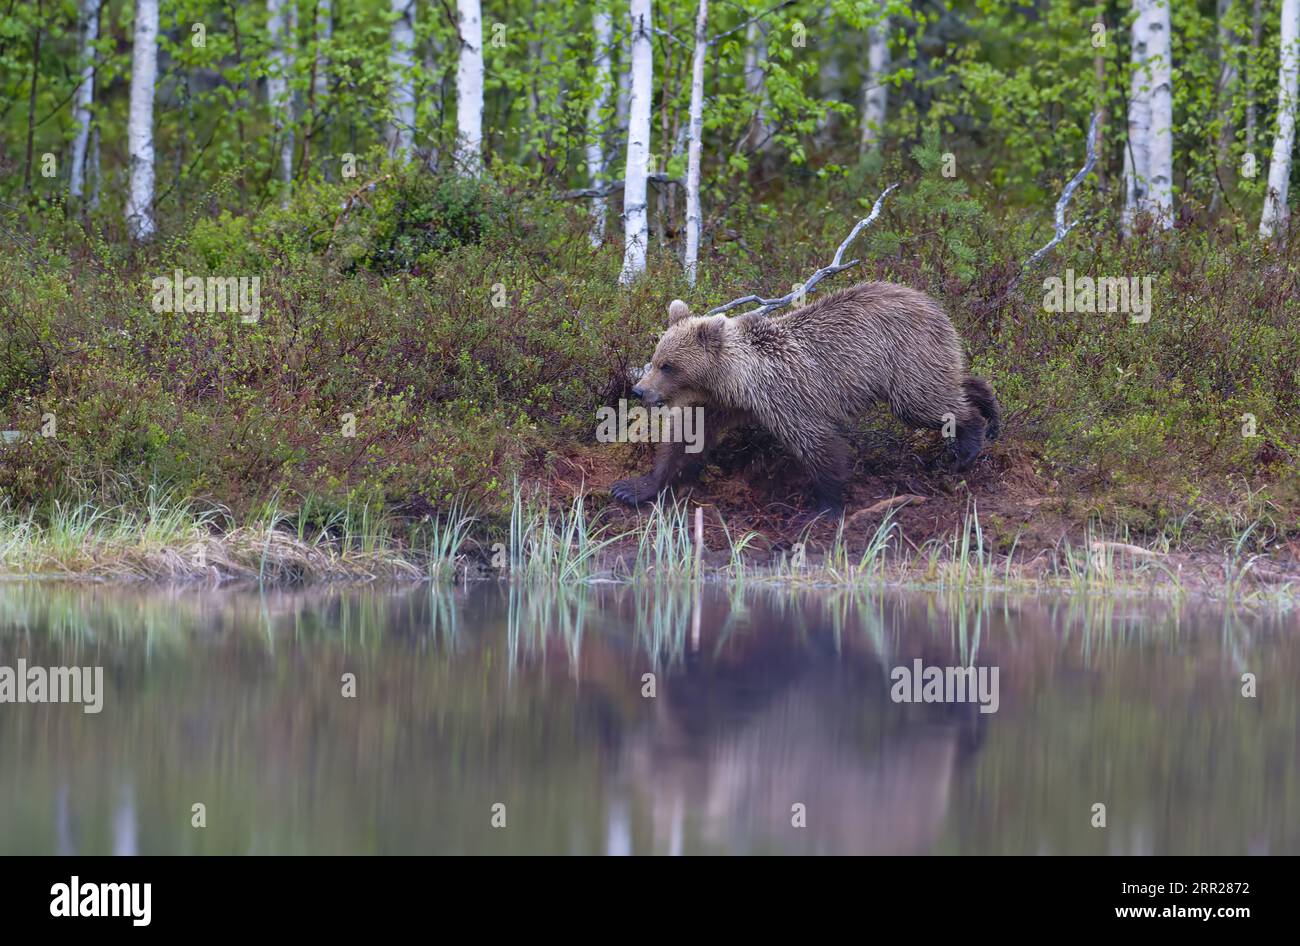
(634, 491)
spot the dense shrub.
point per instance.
(440, 334)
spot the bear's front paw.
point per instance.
(634, 491)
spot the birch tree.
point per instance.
(1148, 156)
(875, 95)
(92, 168)
(1137, 155)
(636, 233)
(85, 97)
(433, 57)
(279, 96)
(322, 29)
(624, 95)
(1227, 89)
(602, 34)
(401, 69)
(1256, 37)
(1273, 221)
(469, 88)
(320, 84)
(1160, 69)
(829, 75)
(695, 147)
(139, 125)
(760, 130)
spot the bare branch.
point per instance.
(667, 35)
(356, 195)
(836, 266)
(1061, 228)
(613, 186)
(752, 19)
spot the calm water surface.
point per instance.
(763, 700)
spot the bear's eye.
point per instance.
(668, 367)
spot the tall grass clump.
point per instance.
(558, 545)
(666, 547)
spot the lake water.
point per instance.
(770, 729)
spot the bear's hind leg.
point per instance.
(961, 424)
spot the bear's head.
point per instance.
(685, 365)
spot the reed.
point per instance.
(170, 538)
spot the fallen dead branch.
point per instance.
(837, 266)
(891, 503)
(1060, 228)
(1134, 550)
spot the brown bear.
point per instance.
(804, 373)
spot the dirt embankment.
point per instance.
(1031, 527)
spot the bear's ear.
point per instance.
(677, 310)
(710, 333)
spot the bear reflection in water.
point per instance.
(740, 735)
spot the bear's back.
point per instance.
(879, 315)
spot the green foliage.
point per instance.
(489, 355)
(470, 330)
(409, 222)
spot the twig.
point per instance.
(667, 35)
(347, 204)
(836, 266)
(752, 19)
(606, 189)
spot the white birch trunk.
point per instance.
(1273, 221)
(1228, 78)
(875, 95)
(1256, 35)
(432, 57)
(92, 169)
(760, 131)
(624, 84)
(469, 88)
(281, 17)
(92, 159)
(602, 32)
(636, 233)
(531, 127)
(829, 75)
(401, 69)
(1137, 151)
(1160, 69)
(139, 127)
(85, 97)
(324, 30)
(695, 148)
(1226, 92)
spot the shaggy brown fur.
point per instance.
(804, 373)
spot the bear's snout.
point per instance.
(650, 398)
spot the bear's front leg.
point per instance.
(669, 459)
